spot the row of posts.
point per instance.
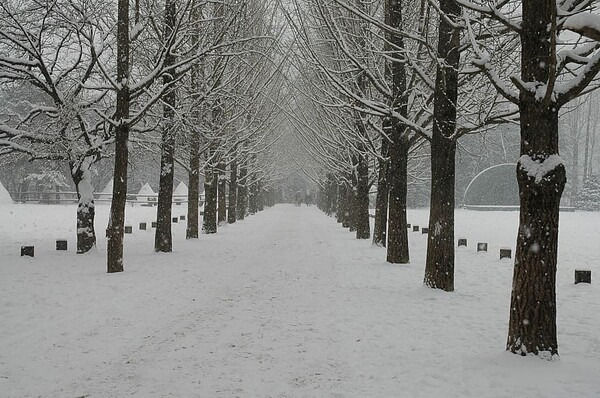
(581, 276)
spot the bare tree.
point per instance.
(550, 77)
(45, 55)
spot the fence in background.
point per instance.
(60, 197)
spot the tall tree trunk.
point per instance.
(231, 211)
(397, 248)
(353, 197)
(193, 187)
(439, 267)
(252, 205)
(343, 205)
(86, 210)
(381, 201)
(222, 207)
(242, 197)
(260, 196)
(116, 227)
(397, 233)
(541, 176)
(196, 77)
(332, 194)
(209, 221)
(163, 239)
(363, 227)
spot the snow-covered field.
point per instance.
(283, 304)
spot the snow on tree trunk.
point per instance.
(542, 177)
(116, 228)
(439, 267)
(163, 239)
(81, 175)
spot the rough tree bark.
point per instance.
(397, 234)
(222, 198)
(397, 248)
(260, 197)
(252, 205)
(353, 197)
(196, 77)
(381, 201)
(363, 226)
(242, 197)
(439, 266)
(163, 239)
(193, 187)
(343, 205)
(231, 211)
(209, 221)
(332, 194)
(116, 226)
(541, 177)
(86, 210)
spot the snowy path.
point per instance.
(283, 304)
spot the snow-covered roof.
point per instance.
(181, 190)
(146, 190)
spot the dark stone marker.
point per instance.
(128, 229)
(462, 242)
(408, 225)
(27, 251)
(61, 244)
(424, 230)
(482, 247)
(583, 276)
(182, 218)
(153, 224)
(142, 226)
(505, 253)
(415, 228)
(175, 219)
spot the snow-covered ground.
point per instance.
(283, 304)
